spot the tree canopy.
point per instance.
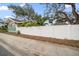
(26, 11)
(53, 11)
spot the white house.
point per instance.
(12, 24)
(1, 23)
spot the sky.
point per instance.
(5, 12)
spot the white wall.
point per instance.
(56, 31)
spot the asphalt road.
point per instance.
(5, 52)
(18, 46)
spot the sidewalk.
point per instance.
(31, 47)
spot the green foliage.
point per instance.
(21, 24)
(18, 32)
(24, 23)
(4, 28)
(31, 24)
(1, 30)
(38, 22)
(27, 11)
(41, 20)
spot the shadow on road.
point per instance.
(4, 52)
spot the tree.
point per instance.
(53, 10)
(26, 11)
(39, 19)
(30, 11)
(74, 12)
(58, 8)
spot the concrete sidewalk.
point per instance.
(25, 47)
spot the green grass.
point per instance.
(3, 30)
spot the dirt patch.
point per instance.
(74, 43)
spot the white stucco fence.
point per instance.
(56, 31)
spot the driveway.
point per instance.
(19, 46)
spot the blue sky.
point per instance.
(5, 12)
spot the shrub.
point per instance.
(18, 32)
(24, 24)
(4, 28)
(31, 24)
(1, 30)
(38, 22)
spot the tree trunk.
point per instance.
(74, 12)
(66, 16)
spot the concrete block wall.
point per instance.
(56, 31)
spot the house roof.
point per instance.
(7, 20)
(16, 20)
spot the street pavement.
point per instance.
(18, 46)
(4, 52)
